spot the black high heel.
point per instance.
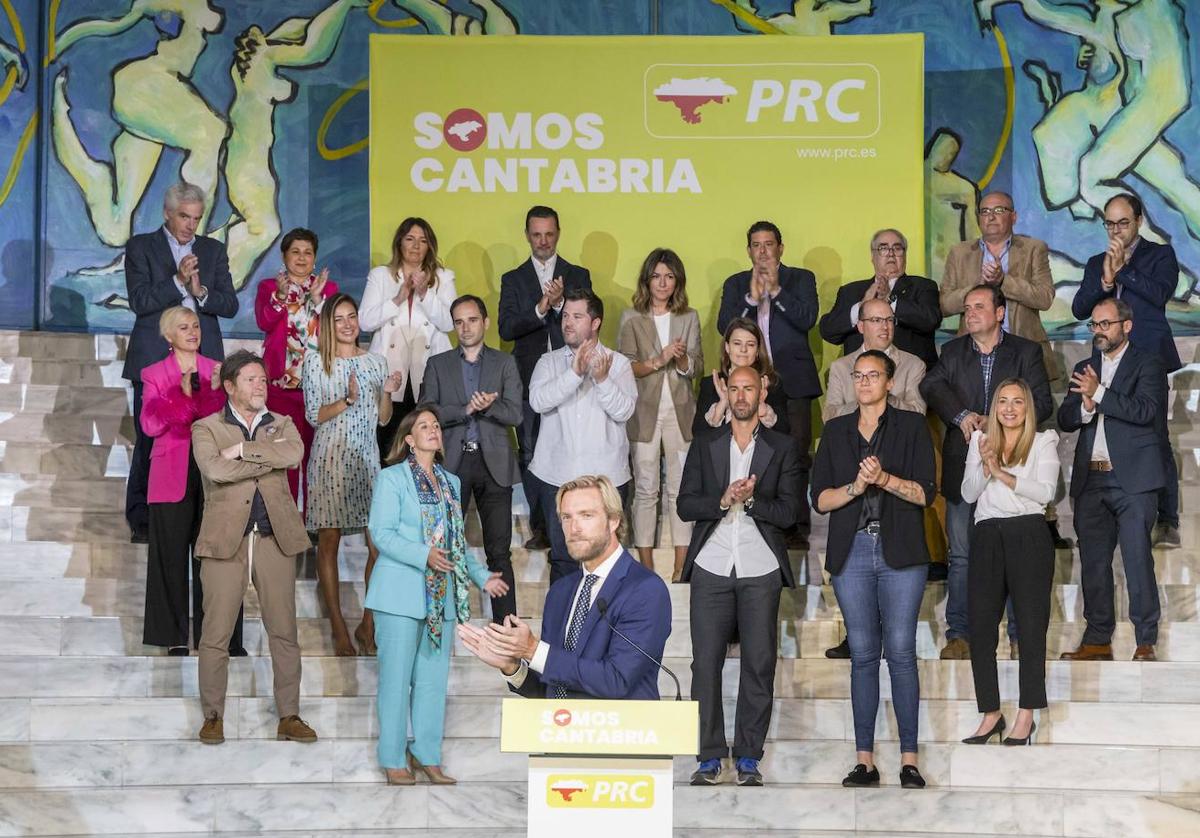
(982, 739)
(1025, 740)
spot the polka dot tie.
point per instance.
(578, 617)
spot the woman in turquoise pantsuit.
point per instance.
(418, 593)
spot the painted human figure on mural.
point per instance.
(12, 59)
(438, 18)
(249, 170)
(156, 106)
(1137, 83)
(811, 17)
(953, 200)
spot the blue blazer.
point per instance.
(1147, 283)
(602, 665)
(398, 580)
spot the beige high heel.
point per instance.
(433, 773)
(400, 777)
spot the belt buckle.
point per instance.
(872, 528)
(470, 447)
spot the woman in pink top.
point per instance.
(178, 390)
(288, 309)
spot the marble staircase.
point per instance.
(97, 731)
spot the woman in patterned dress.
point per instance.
(287, 308)
(347, 394)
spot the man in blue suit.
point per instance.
(1144, 275)
(579, 655)
(1117, 402)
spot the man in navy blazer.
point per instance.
(1118, 403)
(170, 267)
(578, 654)
(1144, 275)
(783, 301)
(531, 300)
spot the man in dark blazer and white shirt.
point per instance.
(741, 488)
(1117, 402)
(169, 267)
(959, 390)
(1144, 275)
(478, 394)
(914, 302)
(783, 302)
(531, 299)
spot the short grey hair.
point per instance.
(183, 193)
(878, 233)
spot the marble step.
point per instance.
(64, 459)
(354, 717)
(121, 598)
(122, 636)
(63, 399)
(62, 345)
(81, 428)
(55, 492)
(54, 676)
(496, 806)
(48, 370)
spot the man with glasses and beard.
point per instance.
(1117, 402)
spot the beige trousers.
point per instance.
(667, 441)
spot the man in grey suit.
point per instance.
(478, 393)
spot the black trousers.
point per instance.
(1010, 559)
(494, 503)
(173, 529)
(527, 436)
(800, 419)
(722, 607)
(137, 511)
(1105, 515)
(1168, 496)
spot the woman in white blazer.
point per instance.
(407, 305)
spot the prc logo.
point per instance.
(562, 717)
(465, 129)
(689, 94)
(600, 791)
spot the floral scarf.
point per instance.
(302, 322)
(442, 526)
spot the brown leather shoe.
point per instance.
(956, 650)
(213, 731)
(294, 729)
(1145, 652)
(1087, 652)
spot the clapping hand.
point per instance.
(987, 453)
(1086, 383)
(215, 381)
(738, 491)
(1114, 259)
(352, 389)
(316, 291)
(554, 292)
(392, 383)
(476, 641)
(720, 386)
(480, 401)
(583, 356)
(514, 639)
(601, 364)
(185, 382)
(189, 274)
(991, 273)
(420, 283)
(871, 473)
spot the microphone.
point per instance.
(602, 605)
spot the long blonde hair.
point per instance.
(995, 431)
(326, 340)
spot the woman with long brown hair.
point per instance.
(347, 394)
(742, 346)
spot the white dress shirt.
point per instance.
(538, 662)
(1036, 478)
(1108, 369)
(854, 308)
(583, 423)
(736, 543)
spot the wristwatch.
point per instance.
(850, 490)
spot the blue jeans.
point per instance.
(960, 523)
(879, 607)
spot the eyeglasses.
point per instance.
(875, 321)
(1102, 325)
(999, 212)
(872, 376)
(1123, 224)
(883, 249)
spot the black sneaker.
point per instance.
(708, 773)
(748, 773)
(840, 651)
(538, 541)
(860, 776)
(910, 778)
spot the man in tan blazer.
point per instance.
(1020, 265)
(251, 532)
(877, 325)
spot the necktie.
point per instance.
(578, 617)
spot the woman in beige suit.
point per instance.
(660, 335)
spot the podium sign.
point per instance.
(598, 766)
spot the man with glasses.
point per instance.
(1117, 402)
(876, 329)
(1143, 275)
(913, 300)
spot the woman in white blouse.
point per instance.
(1011, 473)
(407, 305)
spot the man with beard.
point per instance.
(1117, 402)
(580, 654)
(741, 486)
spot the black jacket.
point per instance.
(519, 323)
(955, 383)
(906, 451)
(777, 493)
(918, 314)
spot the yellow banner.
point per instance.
(575, 726)
(644, 142)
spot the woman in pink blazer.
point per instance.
(287, 308)
(178, 390)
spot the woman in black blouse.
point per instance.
(742, 346)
